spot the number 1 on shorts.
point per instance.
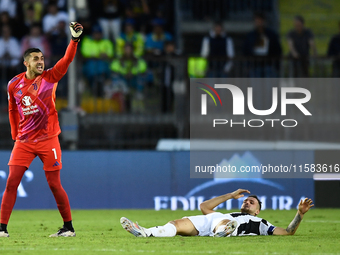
(55, 153)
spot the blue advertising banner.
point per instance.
(151, 179)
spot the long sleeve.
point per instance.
(14, 119)
(60, 68)
(13, 114)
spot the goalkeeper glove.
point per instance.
(76, 30)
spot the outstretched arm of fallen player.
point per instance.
(304, 207)
(208, 205)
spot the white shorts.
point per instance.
(205, 224)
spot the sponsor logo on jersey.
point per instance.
(26, 100)
(19, 92)
(29, 109)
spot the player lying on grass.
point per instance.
(216, 224)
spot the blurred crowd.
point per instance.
(122, 39)
(261, 49)
(117, 34)
(260, 54)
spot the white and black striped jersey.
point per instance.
(250, 225)
(246, 224)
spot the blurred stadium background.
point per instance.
(127, 92)
(99, 108)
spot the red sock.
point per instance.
(53, 179)
(10, 195)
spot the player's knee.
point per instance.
(54, 186)
(12, 185)
(174, 223)
(183, 228)
(11, 188)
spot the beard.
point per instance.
(245, 210)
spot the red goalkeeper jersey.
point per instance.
(31, 103)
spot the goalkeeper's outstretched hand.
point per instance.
(76, 30)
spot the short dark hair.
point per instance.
(300, 18)
(258, 200)
(28, 52)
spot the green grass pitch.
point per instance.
(99, 232)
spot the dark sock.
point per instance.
(3, 227)
(68, 225)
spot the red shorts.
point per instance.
(47, 150)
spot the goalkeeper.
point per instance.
(35, 129)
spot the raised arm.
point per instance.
(304, 206)
(60, 68)
(208, 205)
